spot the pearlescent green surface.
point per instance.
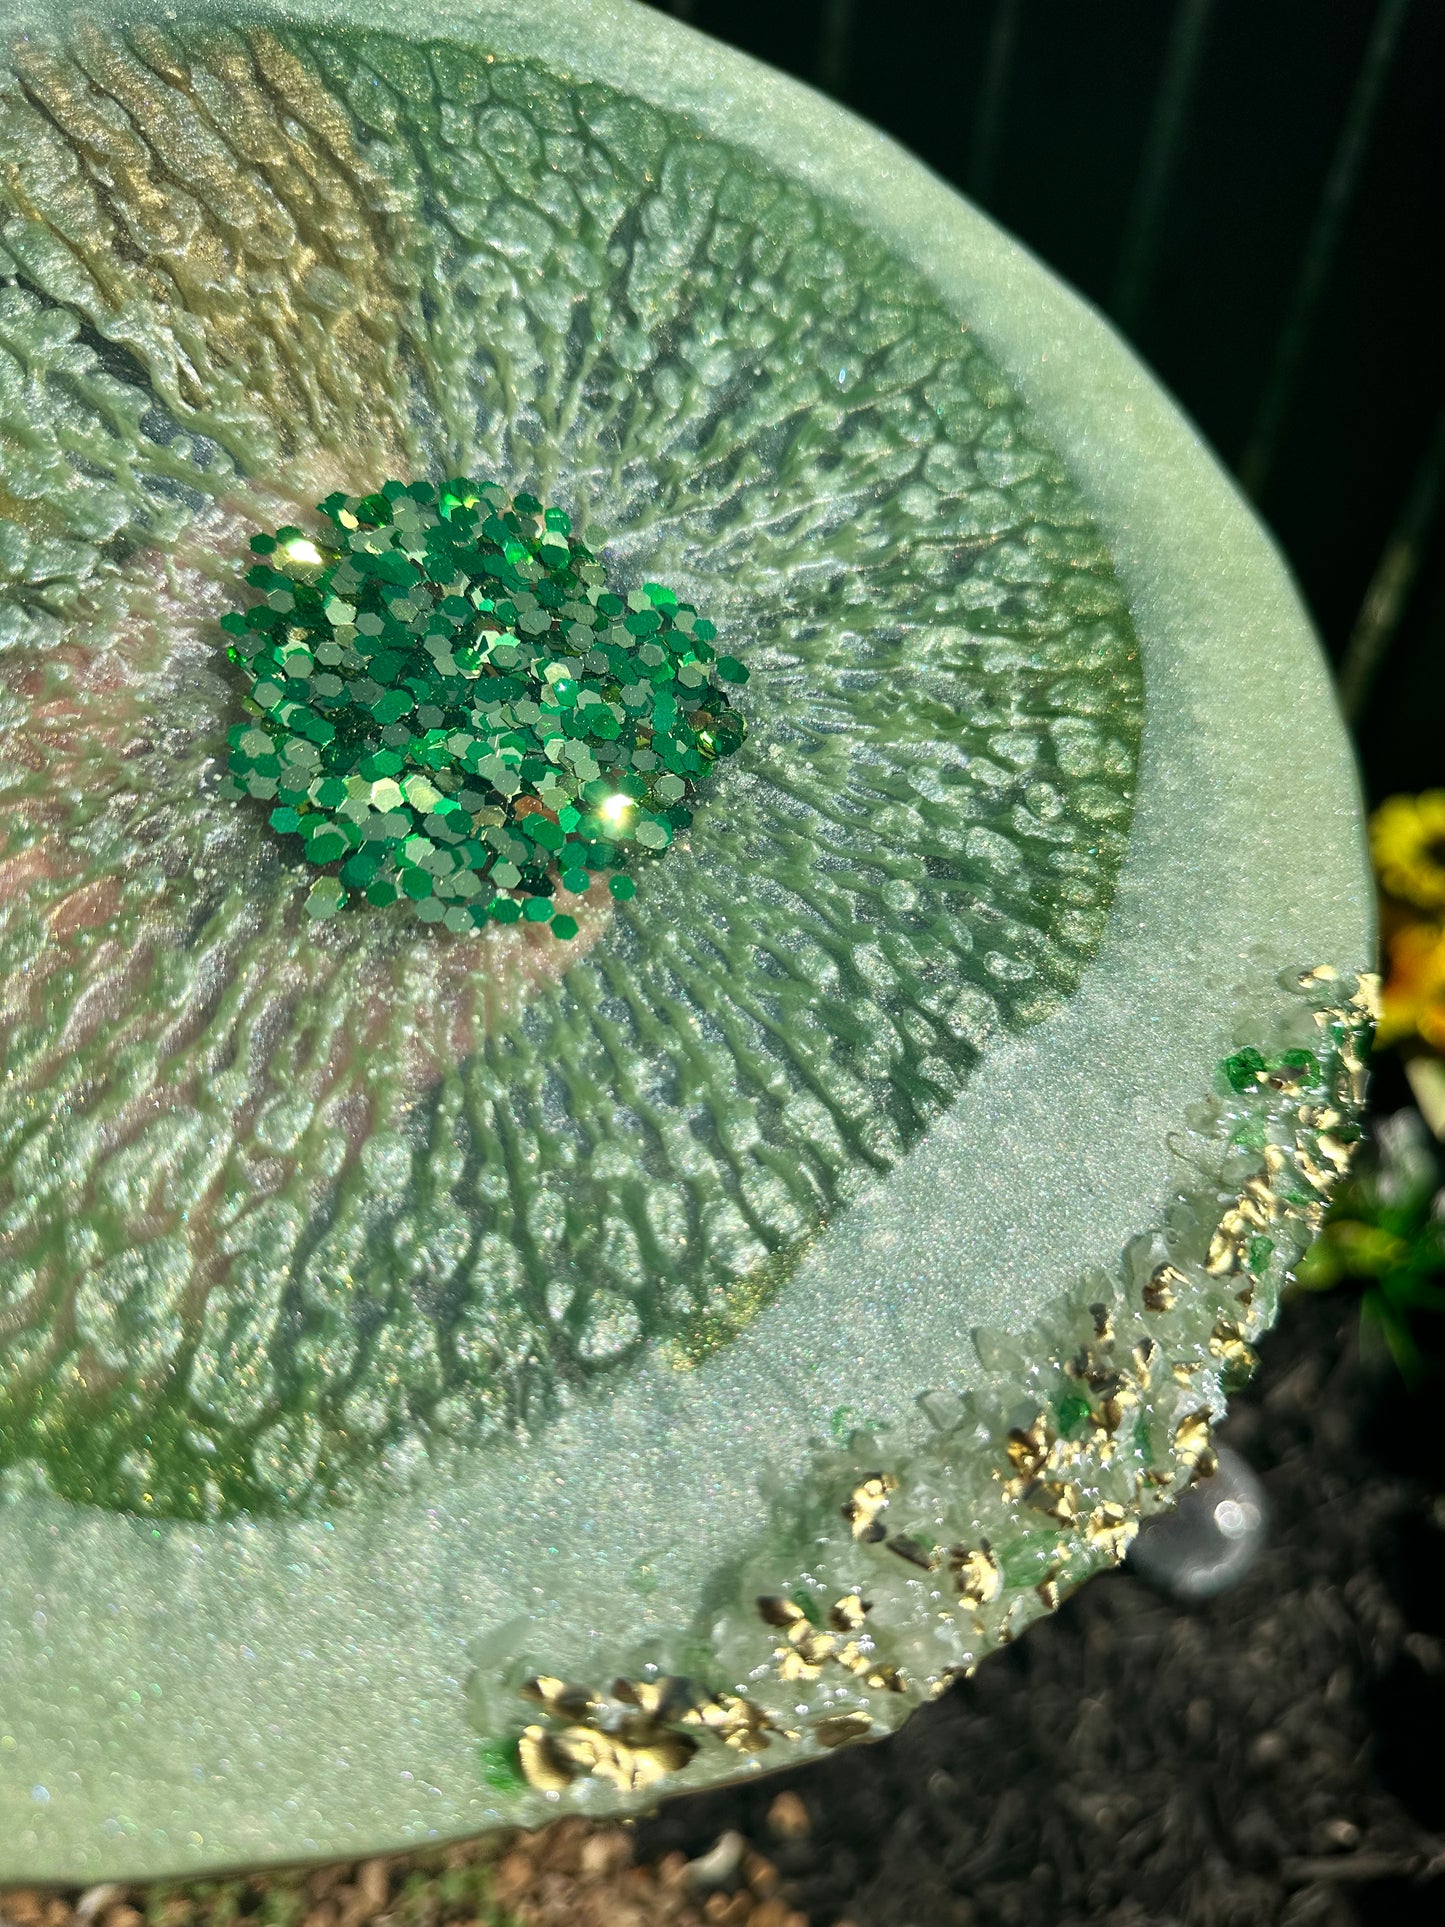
(195, 1693)
(299, 1198)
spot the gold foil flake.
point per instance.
(1351, 1062)
(882, 1679)
(1028, 1451)
(848, 1614)
(1253, 1212)
(935, 1689)
(1285, 1077)
(1227, 1343)
(561, 1699)
(1110, 1530)
(1258, 1203)
(1101, 1369)
(667, 1698)
(807, 1649)
(543, 1763)
(1366, 998)
(1057, 1499)
(866, 1501)
(804, 1658)
(775, 1610)
(1192, 1441)
(1322, 1181)
(857, 1657)
(629, 1761)
(1227, 1248)
(977, 1576)
(842, 1728)
(1339, 1155)
(1094, 1364)
(1112, 1414)
(737, 1721)
(634, 1742)
(1321, 974)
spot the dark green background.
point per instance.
(1253, 189)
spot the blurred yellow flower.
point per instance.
(1414, 991)
(1407, 841)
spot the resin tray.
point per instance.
(450, 1376)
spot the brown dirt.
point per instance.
(573, 1874)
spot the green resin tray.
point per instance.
(654, 1087)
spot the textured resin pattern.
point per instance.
(446, 1378)
(279, 1199)
(907, 1556)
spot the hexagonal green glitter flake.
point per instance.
(450, 709)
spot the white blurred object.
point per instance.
(1211, 1539)
(1426, 1076)
(1407, 1156)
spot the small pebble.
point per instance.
(720, 1866)
(1340, 1836)
(574, 1873)
(95, 1900)
(789, 1818)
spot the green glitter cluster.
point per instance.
(1248, 1068)
(450, 708)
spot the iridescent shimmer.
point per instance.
(304, 1210)
(293, 1202)
(450, 707)
(913, 1561)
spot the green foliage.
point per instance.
(1385, 1237)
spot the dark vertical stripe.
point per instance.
(1339, 191)
(835, 45)
(1388, 595)
(992, 98)
(1160, 159)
